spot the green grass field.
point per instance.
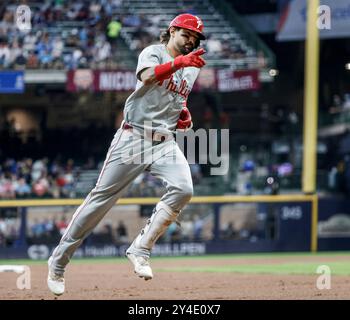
(298, 263)
(337, 268)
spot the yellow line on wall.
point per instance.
(150, 201)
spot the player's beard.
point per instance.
(183, 49)
(186, 49)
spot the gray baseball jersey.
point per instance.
(160, 103)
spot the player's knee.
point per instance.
(186, 193)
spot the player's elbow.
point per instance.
(147, 76)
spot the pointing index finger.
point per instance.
(199, 52)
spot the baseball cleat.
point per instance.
(141, 266)
(55, 282)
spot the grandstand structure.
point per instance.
(220, 25)
(244, 50)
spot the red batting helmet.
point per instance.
(190, 22)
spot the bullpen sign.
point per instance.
(11, 82)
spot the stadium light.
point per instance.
(273, 72)
(347, 66)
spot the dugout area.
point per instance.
(228, 224)
(258, 224)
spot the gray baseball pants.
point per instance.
(127, 157)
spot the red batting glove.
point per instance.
(193, 59)
(185, 119)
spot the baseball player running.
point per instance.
(165, 74)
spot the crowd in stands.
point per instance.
(80, 34)
(40, 178)
(87, 40)
(145, 30)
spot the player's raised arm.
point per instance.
(164, 71)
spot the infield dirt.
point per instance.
(116, 281)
